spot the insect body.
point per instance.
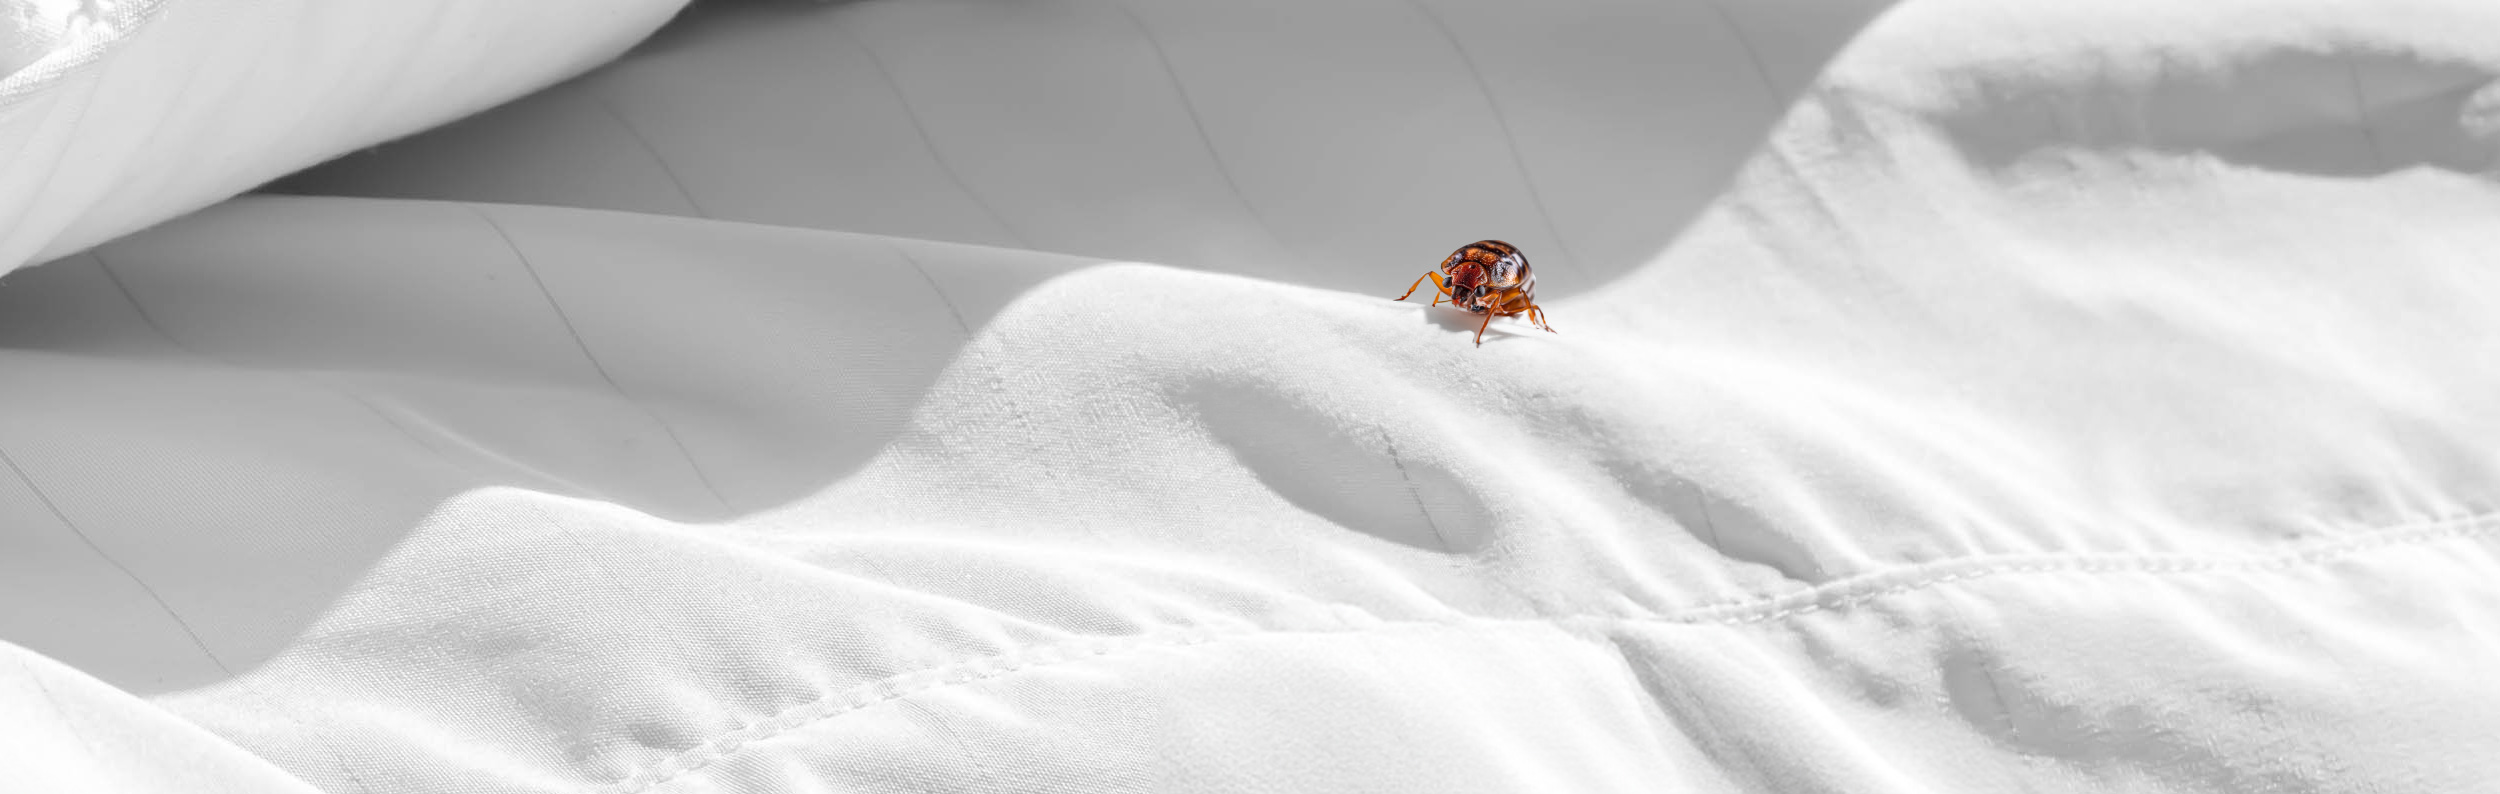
(1488, 277)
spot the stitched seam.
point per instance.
(901, 686)
(1827, 597)
(1861, 588)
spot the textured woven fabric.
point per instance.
(961, 396)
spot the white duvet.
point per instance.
(947, 395)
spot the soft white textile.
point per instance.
(967, 396)
(117, 114)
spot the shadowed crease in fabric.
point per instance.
(2069, 545)
(337, 757)
(1199, 125)
(583, 346)
(942, 297)
(1753, 54)
(1501, 121)
(149, 319)
(608, 107)
(1414, 493)
(927, 142)
(2361, 112)
(109, 559)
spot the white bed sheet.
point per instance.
(957, 396)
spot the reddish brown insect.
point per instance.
(1488, 277)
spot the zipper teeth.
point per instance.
(128, 18)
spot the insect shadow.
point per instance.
(1502, 329)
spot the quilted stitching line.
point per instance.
(905, 685)
(1834, 596)
(1867, 587)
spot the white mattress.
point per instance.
(939, 395)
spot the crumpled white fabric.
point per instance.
(118, 114)
(932, 396)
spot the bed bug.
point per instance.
(1488, 277)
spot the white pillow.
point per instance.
(116, 114)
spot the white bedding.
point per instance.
(938, 395)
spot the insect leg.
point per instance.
(1488, 322)
(1419, 283)
(1516, 303)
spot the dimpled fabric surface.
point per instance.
(936, 395)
